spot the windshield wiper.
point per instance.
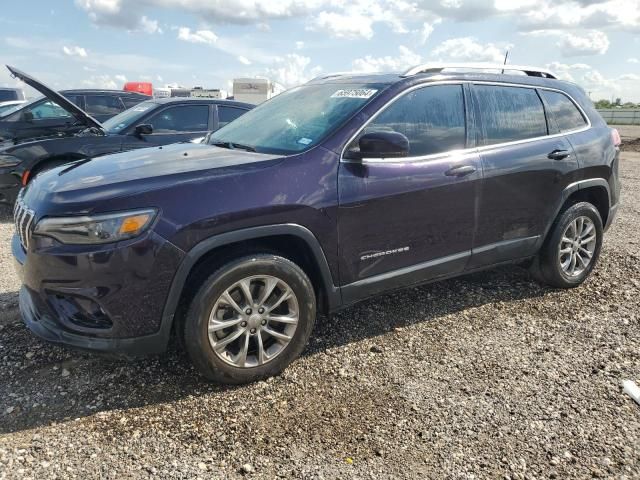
(234, 146)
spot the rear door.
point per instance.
(526, 166)
(406, 220)
(226, 114)
(103, 107)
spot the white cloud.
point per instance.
(244, 60)
(425, 32)
(299, 45)
(149, 26)
(120, 78)
(343, 26)
(100, 81)
(591, 43)
(292, 69)
(74, 51)
(468, 49)
(404, 60)
(199, 36)
(633, 60)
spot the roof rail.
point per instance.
(439, 67)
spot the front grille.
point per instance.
(23, 218)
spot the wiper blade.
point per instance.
(234, 146)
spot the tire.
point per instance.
(581, 223)
(221, 304)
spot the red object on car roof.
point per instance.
(139, 87)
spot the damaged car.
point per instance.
(150, 123)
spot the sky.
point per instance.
(103, 43)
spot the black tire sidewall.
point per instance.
(196, 333)
(549, 260)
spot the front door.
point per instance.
(403, 221)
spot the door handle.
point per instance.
(558, 154)
(461, 171)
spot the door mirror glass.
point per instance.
(144, 129)
(381, 145)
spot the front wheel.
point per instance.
(250, 319)
(572, 248)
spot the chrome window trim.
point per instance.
(473, 150)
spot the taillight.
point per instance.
(615, 136)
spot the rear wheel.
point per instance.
(572, 248)
(250, 319)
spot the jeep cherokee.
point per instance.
(327, 194)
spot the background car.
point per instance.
(8, 94)
(43, 116)
(5, 106)
(150, 123)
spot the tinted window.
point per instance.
(563, 111)
(187, 118)
(131, 101)
(8, 95)
(76, 99)
(510, 113)
(103, 105)
(432, 118)
(47, 109)
(228, 114)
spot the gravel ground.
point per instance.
(485, 376)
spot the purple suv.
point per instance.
(329, 193)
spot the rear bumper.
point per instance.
(107, 298)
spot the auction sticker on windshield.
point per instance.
(355, 93)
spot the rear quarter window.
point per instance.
(563, 111)
(509, 114)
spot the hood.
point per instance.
(51, 94)
(137, 171)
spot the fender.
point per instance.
(567, 192)
(198, 251)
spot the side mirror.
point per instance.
(143, 129)
(27, 116)
(382, 145)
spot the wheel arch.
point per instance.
(594, 190)
(292, 241)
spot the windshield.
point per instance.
(123, 120)
(297, 119)
(9, 106)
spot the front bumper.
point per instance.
(107, 298)
(10, 185)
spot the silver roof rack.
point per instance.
(439, 67)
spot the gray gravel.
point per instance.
(486, 376)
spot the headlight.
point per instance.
(111, 227)
(9, 161)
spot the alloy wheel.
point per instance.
(577, 246)
(253, 321)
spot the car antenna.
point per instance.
(506, 55)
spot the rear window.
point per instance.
(103, 105)
(563, 111)
(509, 114)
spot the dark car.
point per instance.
(153, 122)
(329, 193)
(10, 94)
(45, 117)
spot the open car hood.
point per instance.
(51, 94)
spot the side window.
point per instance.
(432, 118)
(563, 111)
(48, 110)
(185, 118)
(75, 99)
(131, 101)
(508, 114)
(228, 114)
(103, 105)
